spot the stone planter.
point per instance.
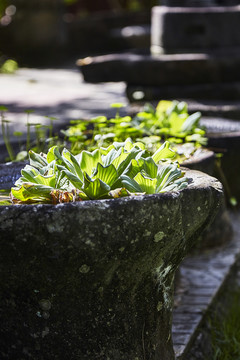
(93, 280)
(220, 231)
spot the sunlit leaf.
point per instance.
(37, 160)
(147, 184)
(130, 184)
(191, 121)
(73, 178)
(95, 189)
(164, 152)
(32, 193)
(107, 174)
(166, 175)
(88, 161)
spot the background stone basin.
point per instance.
(94, 279)
(203, 160)
(224, 137)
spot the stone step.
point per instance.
(163, 70)
(188, 3)
(207, 91)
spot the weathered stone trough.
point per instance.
(94, 279)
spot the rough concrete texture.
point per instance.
(179, 29)
(94, 279)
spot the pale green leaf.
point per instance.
(147, 184)
(72, 163)
(134, 167)
(37, 160)
(95, 189)
(32, 193)
(88, 161)
(108, 174)
(164, 152)
(166, 175)
(130, 184)
(191, 122)
(76, 182)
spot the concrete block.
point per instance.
(179, 29)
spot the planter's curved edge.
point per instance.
(201, 162)
(98, 212)
(210, 190)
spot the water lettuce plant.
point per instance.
(168, 121)
(122, 169)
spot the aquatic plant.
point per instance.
(122, 169)
(168, 121)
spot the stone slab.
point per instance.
(163, 70)
(189, 29)
(227, 91)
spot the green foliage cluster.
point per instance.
(122, 169)
(168, 121)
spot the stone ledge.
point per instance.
(140, 69)
(220, 90)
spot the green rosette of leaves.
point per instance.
(171, 120)
(122, 169)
